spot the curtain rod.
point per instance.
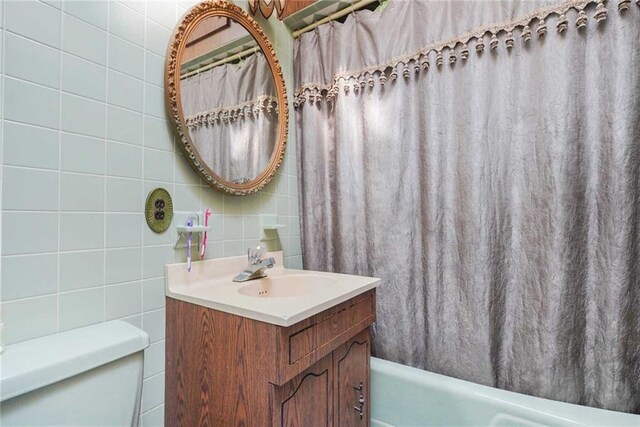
(333, 16)
(231, 58)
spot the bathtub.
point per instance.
(402, 396)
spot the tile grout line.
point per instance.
(145, 14)
(59, 216)
(143, 180)
(73, 251)
(87, 288)
(154, 408)
(84, 98)
(3, 34)
(174, 251)
(142, 175)
(104, 195)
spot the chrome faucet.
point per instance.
(257, 265)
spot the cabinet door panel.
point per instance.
(352, 382)
(307, 400)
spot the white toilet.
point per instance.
(85, 377)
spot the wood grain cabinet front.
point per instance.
(351, 367)
(332, 392)
(306, 400)
(227, 370)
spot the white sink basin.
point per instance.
(283, 298)
(286, 286)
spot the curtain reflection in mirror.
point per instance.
(231, 112)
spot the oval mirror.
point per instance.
(227, 97)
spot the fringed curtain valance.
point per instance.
(253, 108)
(485, 37)
(227, 90)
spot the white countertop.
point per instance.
(210, 284)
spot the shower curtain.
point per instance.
(483, 159)
(231, 112)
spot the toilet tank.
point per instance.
(85, 377)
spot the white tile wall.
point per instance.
(84, 40)
(79, 308)
(34, 20)
(93, 12)
(23, 99)
(83, 139)
(32, 61)
(83, 78)
(32, 146)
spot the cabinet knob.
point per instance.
(361, 400)
(358, 409)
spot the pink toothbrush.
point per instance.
(207, 214)
(190, 225)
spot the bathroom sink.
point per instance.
(286, 286)
(286, 296)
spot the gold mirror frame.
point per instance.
(172, 91)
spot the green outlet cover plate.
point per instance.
(159, 210)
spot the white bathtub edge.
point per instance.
(558, 413)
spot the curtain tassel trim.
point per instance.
(457, 48)
(624, 5)
(493, 44)
(601, 12)
(225, 115)
(581, 22)
(542, 28)
(508, 41)
(405, 71)
(563, 24)
(464, 52)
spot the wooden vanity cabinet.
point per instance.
(227, 370)
(306, 400)
(332, 392)
(351, 367)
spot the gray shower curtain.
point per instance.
(498, 198)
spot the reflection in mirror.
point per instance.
(229, 99)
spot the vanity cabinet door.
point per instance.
(351, 365)
(306, 400)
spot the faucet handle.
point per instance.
(255, 255)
